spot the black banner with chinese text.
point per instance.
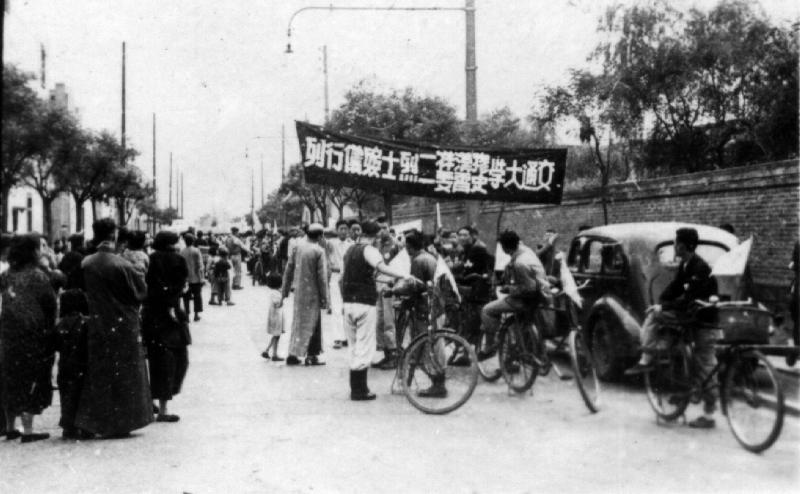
(421, 169)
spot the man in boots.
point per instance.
(359, 297)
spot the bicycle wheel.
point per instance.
(585, 374)
(429, 383)
(516, 356)
(669, 384)
(489, 368)
(752, 399)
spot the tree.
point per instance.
(501, 128)
(595, 104)
(125, 186)
(307, 194)
(163, 216)
(52, 130)
(19, 145)
(707, 79)
(402, 115)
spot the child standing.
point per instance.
(222, 277)
(275, 319)
(72, 350)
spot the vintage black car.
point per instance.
(622, 269)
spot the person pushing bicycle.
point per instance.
(692, 282)
(525, 282)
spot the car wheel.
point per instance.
(608, 364)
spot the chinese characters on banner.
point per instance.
(518, 175)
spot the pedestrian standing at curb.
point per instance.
(338, 246)
(194, 263)
(222, 277)
(360, 296)
(307, 271)
(165, 325)
(116, 393)
(275, 318)
(71, 343)
(236, 248)
(27, 334)
(386, 333)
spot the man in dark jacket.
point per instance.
(693, 281)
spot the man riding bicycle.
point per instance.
(693, 281)
(525, 282)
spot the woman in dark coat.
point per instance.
(26, 337)
(166, 328)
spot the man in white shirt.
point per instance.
(338, 246)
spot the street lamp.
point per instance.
(470, 67)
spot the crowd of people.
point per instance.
(346, 273)
(115, 310)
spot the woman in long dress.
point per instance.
(26, 338)
(165, 325)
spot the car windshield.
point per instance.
(708, 252)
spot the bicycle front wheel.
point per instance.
(430, 382)
(752, 400)
(669, 384)
(517, 358)
(489, 368)
(585, 373)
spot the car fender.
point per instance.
(614, 308)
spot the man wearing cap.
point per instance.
(307, 270)
(525, 283)
(692, 281)
(360, 296)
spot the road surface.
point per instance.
(248, 425)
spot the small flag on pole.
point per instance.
(733, 262)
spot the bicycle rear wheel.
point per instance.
(516, 356)
(669, 384)
(752, 400)
(429, 383)
(585, 373)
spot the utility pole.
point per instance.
(283, 151)
(170, 179)
(123, 97)
(325, 72)
(155, 189)
(470, 67)
(262, 180)
(181, 195)
(252, 197)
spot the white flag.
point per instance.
(733, 262)
(443, 270)
(567, 281)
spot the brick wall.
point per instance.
(758, 200)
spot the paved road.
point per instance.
(248, 425)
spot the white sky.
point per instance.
(216, 74)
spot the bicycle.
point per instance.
(467, 319)
(750, 394)
(428, 362)
(523, 353)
